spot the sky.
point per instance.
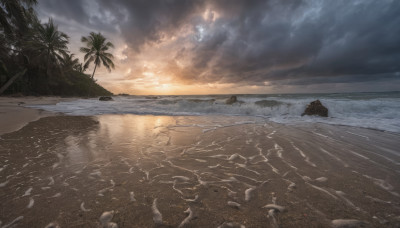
(239, 46)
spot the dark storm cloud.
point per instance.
(249, 42)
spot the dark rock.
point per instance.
(231, 100)
(316, 108)
(106, 99)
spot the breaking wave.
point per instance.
(369, 110)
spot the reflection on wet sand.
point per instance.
(165, 171)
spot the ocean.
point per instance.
(378, 111)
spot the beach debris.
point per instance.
(51, 181)
(106, 217)
(346, 223)
(275, 207)
(247, 193)
(271, 216)
(105, 220)
(188, 218)
(157, 216)
(105, 98)
(231, 100)
(231, 225)
(234, 204)
(28, 192)
(233, 157)
(306, 178)
(31, 202)
(52, 225)
(316, 108)
(321, 179)
(291, 186)
(83, 207)
(55, 195)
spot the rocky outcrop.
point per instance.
(106, 99)
(316, 108)
(231, 100)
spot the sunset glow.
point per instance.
(205, 47)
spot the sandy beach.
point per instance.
(195, 171)
(14, 115)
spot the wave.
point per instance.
(379, 112)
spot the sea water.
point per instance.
(379, 111)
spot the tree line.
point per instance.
(35, 59)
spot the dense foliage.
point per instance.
(35, 60)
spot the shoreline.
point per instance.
(14, 115)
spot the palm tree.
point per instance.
(49, 43)
(69, 63)
(96, 51)
(16, 18)
(15, 11)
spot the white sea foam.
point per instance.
(275, 207)
(31, 202)
(132, 196)
(3, 184)
(233, 204)
(369, 110)
(28, 192)
(342, 223)
(188, 218)
(157, 216)
(11, 224)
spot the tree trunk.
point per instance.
(95, 66)
(12, 79)
(90, 86)
(47, 64)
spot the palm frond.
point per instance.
(95, 51)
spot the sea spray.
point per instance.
(369, 110)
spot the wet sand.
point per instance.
(13, 114)
(215, 171)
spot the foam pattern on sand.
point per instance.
(146, 171)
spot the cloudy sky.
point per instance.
(239, 46)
